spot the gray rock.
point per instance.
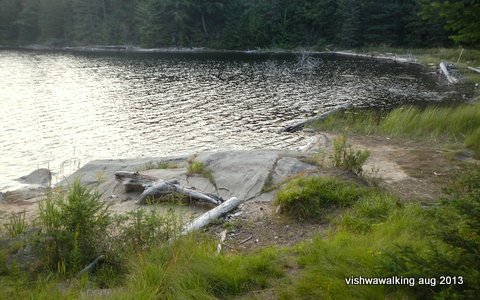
(41, 176)
(289, 166)
(28, 251)
(240, 174)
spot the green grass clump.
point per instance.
(344, 156)
(371, 210)
(308, 197)
(189, 269)
(16, 224)
(197, 167)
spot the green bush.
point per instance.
(140, 229)
(344, 156)
(77, 222)
(308, 197)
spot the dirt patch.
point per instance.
(258, 225)
(413, 170)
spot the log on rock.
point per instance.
(300, 125)
(212, 215)
(162, 188)
(152, 187)
(445, 72)
(134, 181)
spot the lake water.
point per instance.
(61, 110)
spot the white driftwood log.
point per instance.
(474, 69)
(300, 125)
(445, 72)
(153, 187)
(212, 215)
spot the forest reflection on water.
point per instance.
(61, 110)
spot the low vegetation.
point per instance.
(309, 197)
(459, 123)
(160, 165)
(189, 269)
(199, 168)
(372, 235)
(344, 156)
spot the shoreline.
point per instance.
(405, 59)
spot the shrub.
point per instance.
(77, 221)
(307, 197)
(140, 230)
(344, 156)
(456, 252)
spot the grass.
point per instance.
(326, 262)
(151, 165)
(16, 224)
(344, 156)
(199, 168)
(460, 123)
(469, 57)
(189, 269)
(310, 197)
(373, 237)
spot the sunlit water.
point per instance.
(61, 110)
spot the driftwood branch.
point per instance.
(92, 265)
(474, 69)
(212, 215)
(445, 72)
(152, 187)
(300, 125)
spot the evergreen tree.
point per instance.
(461, 18)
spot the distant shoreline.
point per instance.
(136, 49)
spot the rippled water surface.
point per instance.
(61, 110)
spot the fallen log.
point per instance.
(445, 72)
(152, 187)
(92, 265)
(474, 69)
(134, 181)
(300, 125)
(162, 188)
(212, 215)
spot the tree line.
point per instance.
(240, 24)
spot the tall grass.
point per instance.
(16, 224)
(459, 123)
(188, 268)
(434, 122)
